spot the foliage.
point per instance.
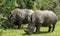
(7, 5)
(25, 3)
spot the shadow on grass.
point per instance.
(25, 34)
(41, 32)
(1, 27)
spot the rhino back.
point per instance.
(46, 17)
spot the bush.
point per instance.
(7, 5)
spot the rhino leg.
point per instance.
(37, 28)
(19, 24)
(49, 29)
(53, 27)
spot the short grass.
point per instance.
(20, 32)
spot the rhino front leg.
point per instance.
(19, 24)
(37, 28)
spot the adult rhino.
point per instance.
(45, 18)
(18, 17)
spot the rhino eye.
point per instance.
(10, 16)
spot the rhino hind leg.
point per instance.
(49, 29)
(53, 27)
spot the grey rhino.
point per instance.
(45, 18)
(18, 17)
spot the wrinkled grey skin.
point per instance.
(43, 18)
(18, 17)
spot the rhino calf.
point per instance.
(44, 18)
(18, 17)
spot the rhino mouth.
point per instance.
(28, 31)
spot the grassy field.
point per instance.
(20, 32)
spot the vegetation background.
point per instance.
(7, 5)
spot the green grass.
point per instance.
(20, 32)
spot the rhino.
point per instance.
(17, 17)
(39, 18)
